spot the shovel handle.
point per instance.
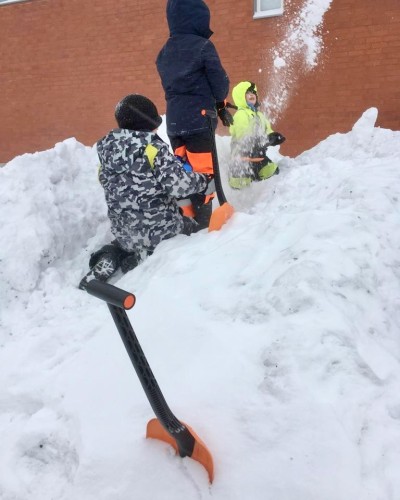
(184, 440)
(210, 115)
(111, 294)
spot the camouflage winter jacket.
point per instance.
(141, 180)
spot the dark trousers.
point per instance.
(196, 150)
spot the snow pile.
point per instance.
(296, 54)
(50, 206)
(275, 338)
(364, 143)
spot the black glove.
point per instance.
(198, 199)
(275, 138)
(224, 115)
(229, 105)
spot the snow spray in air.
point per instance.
(295, 55)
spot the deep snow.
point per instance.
(276, 339)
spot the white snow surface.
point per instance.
(277, 339)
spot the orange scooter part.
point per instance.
(220, 215)
(252, 160)
(200, 452)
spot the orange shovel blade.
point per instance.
(220, 216)
(200, 452)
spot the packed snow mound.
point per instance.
(54, 207)
(364, 141)
(275, 338)
(51, 206)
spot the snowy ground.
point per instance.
(277, 339)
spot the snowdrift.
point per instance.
(276, 338)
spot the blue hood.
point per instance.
(188, 17)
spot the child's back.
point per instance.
(190, 69)
(141, 180)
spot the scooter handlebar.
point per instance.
(111, 294)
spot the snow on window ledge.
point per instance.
(5, 2)
(267, 13)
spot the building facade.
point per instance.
(64, 64)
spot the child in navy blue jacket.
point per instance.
(193, 79)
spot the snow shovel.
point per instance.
(225, 211)
(166, 426)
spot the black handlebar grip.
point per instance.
(111, 294)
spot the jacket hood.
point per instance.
(188, 17)
(239, 94)
(117, 144)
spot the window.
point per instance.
(267, 8)
(11, 1)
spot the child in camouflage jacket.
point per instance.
(142, 181)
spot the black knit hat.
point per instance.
(137, 112)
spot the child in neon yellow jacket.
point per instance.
(251, 135)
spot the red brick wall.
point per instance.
(360, 69)
(65, 63)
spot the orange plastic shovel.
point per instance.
(225, 211)
(166, 426)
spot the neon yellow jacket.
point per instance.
(248, 126)
(247, 122)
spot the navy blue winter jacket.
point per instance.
(190, 69)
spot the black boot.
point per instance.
(104, 269)
(103, 264)
(129, 263)
(203, 215)
(190, 226)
